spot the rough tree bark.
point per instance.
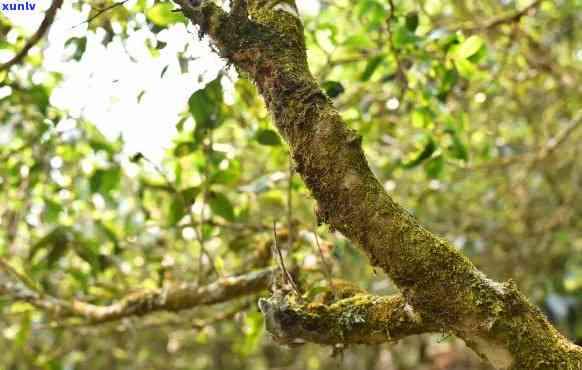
(439, 283)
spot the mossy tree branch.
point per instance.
(494, 319)
(361, 319)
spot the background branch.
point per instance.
(171, 298)
(46, 23)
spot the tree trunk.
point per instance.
(440, 284)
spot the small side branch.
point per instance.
(46, 23)
(507, 19)
(172, 298)
(101, 11)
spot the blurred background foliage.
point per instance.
(470, 116)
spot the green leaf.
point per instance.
(5, 45)
(371, 67)
(205, 105)
(469, 47)
(57, 242)
(162, 15)
(228, 176)
(268, 137)
(221, 205)
(465, 68)
(412, 21)
(374, 12)
(105, 180)
(184, 148)
(110, 234)
(478, 56)
(99, 142)
(40, 97)
(23, 332)
(426, 152)
(88, 252)
(177, 210)
(422, 117)
(458, 149)
(189, 195)
(333, 89)
(434, 167)
(449, 80)
(403, 36)
(52, 210)
(80, 47)
(359, 41)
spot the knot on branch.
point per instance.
(280, 320)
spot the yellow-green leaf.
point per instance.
(162, 15)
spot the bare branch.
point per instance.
(38, 35)
(101, 11)
(175, 297)
(507, 19)
(286, 275)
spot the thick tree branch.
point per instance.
(361, 319)
(38, 35)
(494, 319)
(171, 298)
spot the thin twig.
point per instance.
(326, 267)
(492, 24)
(23, 279)
(286, 275)
(46, 23)
(101, 11)
(290, 205)
(512, 18)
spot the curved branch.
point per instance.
(512, 18)
(171, 298)
(494, 319)
(175, 298)
(38, 35)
